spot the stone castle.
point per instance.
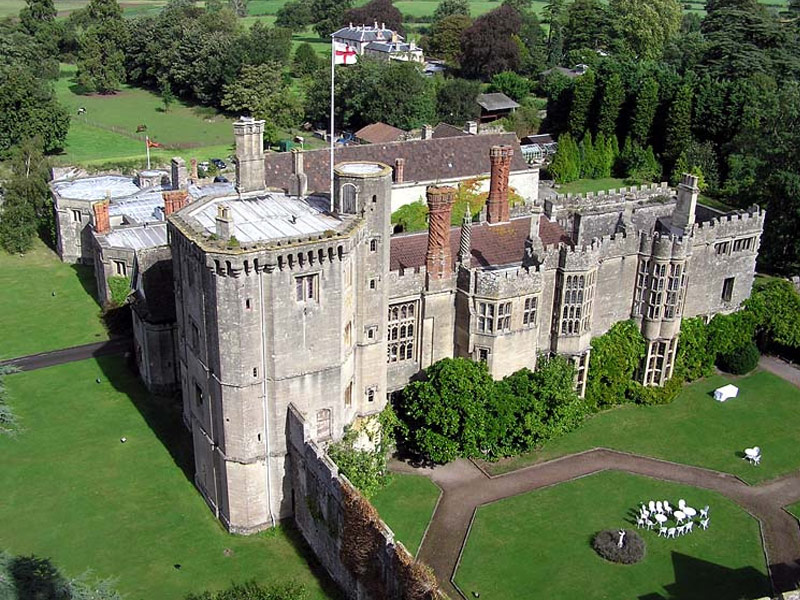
(267, 299)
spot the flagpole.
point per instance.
(147, 146)
(333, 72)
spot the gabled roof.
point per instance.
(376, 133)
(495, 101)
(492, 245)
(445, 130)
(365, 33)
(425, 160)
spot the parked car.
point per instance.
(203, 167)
(220, 179)
(219, 163)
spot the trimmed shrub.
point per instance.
(740, 361)
(632, 551)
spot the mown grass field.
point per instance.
(695, 429)
(582, 186)
(406, 506)
(518, 544)
(72, 492)
(45, 304)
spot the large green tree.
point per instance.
(262, 92)
(101, 61)
(375, 11)
(444, 39)
(679, 125)
(295, 15)
(583, 94)
(455, 101)
(448, 8)
(555, 16)
(644, 112)
(327, 15)
(645, 26)
(28, 108)
(611, 99)
(587, 26)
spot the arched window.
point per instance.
(373, 245)
(348, 198)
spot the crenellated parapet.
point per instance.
(739, 223)
(664, 246)
(609, 198)
(507, 283)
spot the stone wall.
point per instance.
(355, 547)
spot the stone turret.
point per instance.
(179, 176)
(497, 205)
(683, 216)
(249, 135)
(438, 259)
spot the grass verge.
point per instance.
(406, 506)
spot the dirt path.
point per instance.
(67, 355)
(465, 488)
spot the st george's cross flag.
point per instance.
(344, 54)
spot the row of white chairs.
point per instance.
(673, 532)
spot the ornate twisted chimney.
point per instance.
(465, 243)
(497, 205)
(438, 259)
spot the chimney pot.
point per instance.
(224, 222)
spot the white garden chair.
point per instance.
(651, 506)
(667, 508)
(659, 507)
(640, 522)
(704, 523)
(689, 526)
(756, 460)
(704, 512)
(671, 532)
(662, 531)
(681, 503)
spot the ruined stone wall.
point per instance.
(344, 531)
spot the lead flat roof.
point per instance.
(267, 217)
(96, 188)
(138, 237)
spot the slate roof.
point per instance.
(377, 133)
(445, 130)
(495, 101)
(492, 245)
(364, 33)
(426, 160)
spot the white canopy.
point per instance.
(725, 392)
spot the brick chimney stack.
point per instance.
(399, 170)
(174, 201)
(102, 222)
(497, 205)
(438, 260)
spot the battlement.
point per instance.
(606, 198)
(504, 283)
(750, 221)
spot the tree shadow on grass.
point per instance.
(698, 579)
(163, 414)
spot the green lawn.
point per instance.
(795, 509)
(406, 505)
(74, 493)
(581, 186)
(520, 544)
(32, 319)
(696, 430)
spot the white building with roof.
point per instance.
(358, 37)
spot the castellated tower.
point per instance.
(249, 136)
(290, 308)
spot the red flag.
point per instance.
(151, 143)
